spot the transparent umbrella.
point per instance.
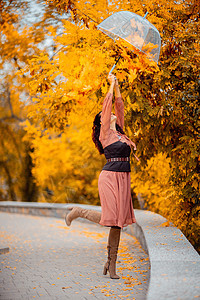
(135, 30)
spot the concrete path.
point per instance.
(47, 260)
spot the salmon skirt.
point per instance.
(115, 198)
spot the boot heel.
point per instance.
(105, 270)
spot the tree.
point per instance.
(19, 41)
(161, 105)
(68, 83)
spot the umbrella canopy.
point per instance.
(134, 29)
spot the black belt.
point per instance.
(118, 159)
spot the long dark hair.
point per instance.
(96, 132)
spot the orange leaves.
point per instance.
(52, 158)
(165, 224)
(137, 266)
(70, 35)
(43, 73)
(94, 235)
(134, 60)
(131, 281)
(59, 88)
(132, 75)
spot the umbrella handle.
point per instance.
(114, 65)
(112, 68)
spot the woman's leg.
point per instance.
(113, 244)
(113, 238)
(78, 212)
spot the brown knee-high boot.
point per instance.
(113, 243)
(88, 214)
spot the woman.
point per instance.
(114, 181)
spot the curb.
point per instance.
(4, 250)
(175, 264)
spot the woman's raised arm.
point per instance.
(119, 106)
(107, 108)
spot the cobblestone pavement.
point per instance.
(48, 260)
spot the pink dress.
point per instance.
(114, 180)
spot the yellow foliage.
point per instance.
(68, 164)
(161, 196)
(60, 93)
(154, 182)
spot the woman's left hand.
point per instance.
(116, 82)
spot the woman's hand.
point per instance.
(111, 78)
(116, 82)
(117, 91)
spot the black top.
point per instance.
(117, 149)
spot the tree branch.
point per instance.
(11, 117)
(9, 102)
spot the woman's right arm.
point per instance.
(119, 106)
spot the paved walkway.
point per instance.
(47, 260)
